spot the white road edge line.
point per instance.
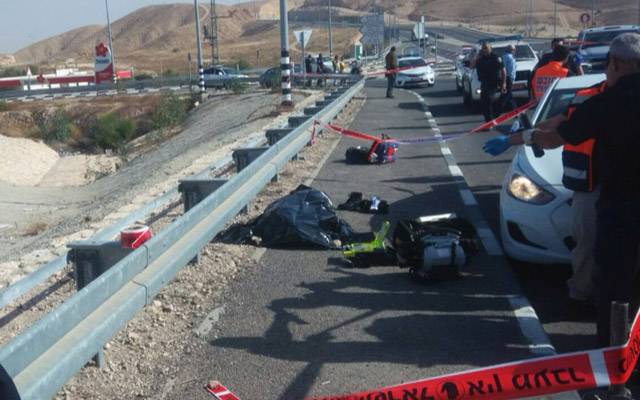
(528, 320)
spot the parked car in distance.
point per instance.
(419, 72)
(594, 45)
(460, 65)
(535, 208)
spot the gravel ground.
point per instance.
(43, 298)
(144, 358)
(217, 122)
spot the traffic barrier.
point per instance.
(44, 356)
(516, 380)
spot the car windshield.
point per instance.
(556, 104)
(603, 38)
(523, 52)
(411, 52)
(418, 62)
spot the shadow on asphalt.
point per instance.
(413, 105)
(391, 336)
(449, 110)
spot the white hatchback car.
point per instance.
(535, 208)
(418, 72)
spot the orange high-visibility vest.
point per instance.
(577, 161)
(545, 75)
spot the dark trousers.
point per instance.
(391, 81)
(507, 103)
(487, 101)
(616, 255)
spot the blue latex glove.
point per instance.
(497, 145)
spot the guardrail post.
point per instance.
(274, 135)
(619, 324)
(296, 121)
(194, 191)
(92, 258)
(244, 157)
(312, 110)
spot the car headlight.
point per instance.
(524, 189)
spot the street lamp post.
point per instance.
(285, 64)
(555, 17)
(114, 76)
(201, 88)
(330, 33)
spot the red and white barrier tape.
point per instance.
(519, 379)
(505, 117)
(366, 136)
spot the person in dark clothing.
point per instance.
(573, 63)
(612, 118)
(308, 68)
(493, 79)
(320, 68)
(391, 65)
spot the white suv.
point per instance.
(594, 45)
(526, 60)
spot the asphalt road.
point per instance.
(543, 285)
(305, 324)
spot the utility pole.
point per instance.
(114, 76)
(555, 18)
(213, 33)
(199, 49)
(330, 33)
(285, 64)
(593, 12)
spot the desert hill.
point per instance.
(160, 37)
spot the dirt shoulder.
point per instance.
(61, 211)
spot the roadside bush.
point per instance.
(242, 64)
(111, 131)
(169, 73)
(4, 106)
(143, 77)
(170, 112)
(56, 127)
(238, 87)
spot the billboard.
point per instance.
(103, 64)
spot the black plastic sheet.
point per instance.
(304, 218)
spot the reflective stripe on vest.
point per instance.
(577, 161)
(544, 77)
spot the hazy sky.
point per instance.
(23, 22)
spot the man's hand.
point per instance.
(497, 145)
(503, 88)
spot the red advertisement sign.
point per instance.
(103, 64)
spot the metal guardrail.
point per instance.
(45, 356)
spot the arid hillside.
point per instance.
(160, 37)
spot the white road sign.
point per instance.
(303, 36)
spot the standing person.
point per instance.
(573, 63)
(612, 118)
(320, 69)
(308, 68)
(391, 65)
(510, 66)
(553, 70)
(342, 66)
(580, 175)
(492, 76)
